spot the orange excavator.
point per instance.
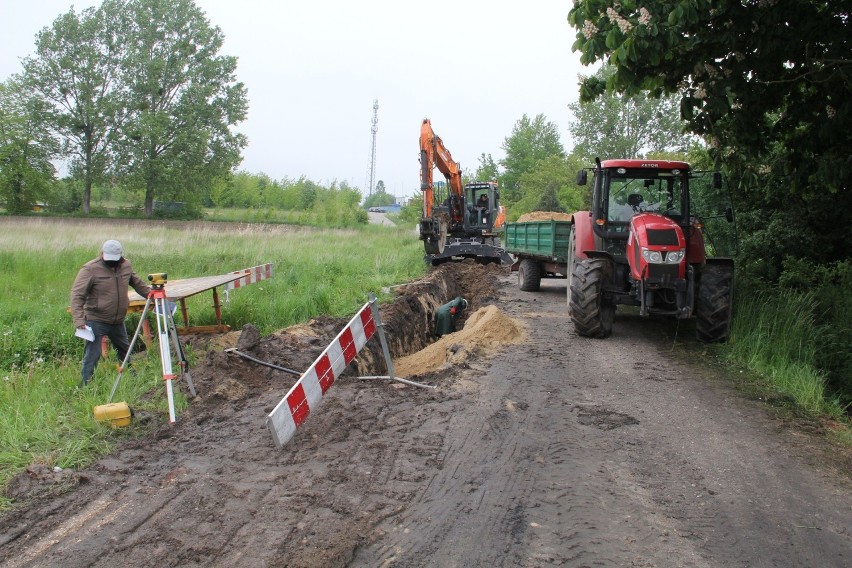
(458, 221)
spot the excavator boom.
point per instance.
(433, 154)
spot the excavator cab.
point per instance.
(482, 207)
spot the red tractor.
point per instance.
(641, 245)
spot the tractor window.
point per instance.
(629, 196)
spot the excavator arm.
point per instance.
(433, 154)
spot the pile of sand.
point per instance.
(544, 216)
(485, 330)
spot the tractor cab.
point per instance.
(626, 188)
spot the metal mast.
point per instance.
(374, 129)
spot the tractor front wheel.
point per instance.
(591, 312)
(529, 275)
(714, 303)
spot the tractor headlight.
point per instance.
(675, 256)
(656, 257)
(652, 256)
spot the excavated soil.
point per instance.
(544, 216)
(536, 448)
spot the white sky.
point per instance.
(312, 70)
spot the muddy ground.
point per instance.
(537, 448)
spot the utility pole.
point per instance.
(374, 129)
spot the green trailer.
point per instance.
(540, 250)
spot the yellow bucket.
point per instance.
(118, 414)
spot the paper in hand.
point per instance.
(85, 333)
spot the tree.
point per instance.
(549, 200)
(550, 186)
(378, 199)
(26, 148)
(75, 70)
(529, 142)
(182, 99)
(621, 126)
(487, 170)
(767, 83)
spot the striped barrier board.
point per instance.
(252, 275)
(306, 395)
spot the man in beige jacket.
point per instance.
(99, 300)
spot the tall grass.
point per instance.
(775, 335)
(45, 417)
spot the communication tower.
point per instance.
(374, 129)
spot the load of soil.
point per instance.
(544, 216)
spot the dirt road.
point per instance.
(555, 450)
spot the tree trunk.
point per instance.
(87, 174)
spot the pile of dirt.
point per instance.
(484, 332)
(544, 216)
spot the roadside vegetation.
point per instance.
(46, 418)
(794, 337)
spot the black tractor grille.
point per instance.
(662, 271)
(662, 237)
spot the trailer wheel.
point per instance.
(714, 304)
(529, 275)
(591, 312)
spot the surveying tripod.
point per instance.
(165, 330)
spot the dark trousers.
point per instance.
(117, 334)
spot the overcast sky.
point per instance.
(313, 69)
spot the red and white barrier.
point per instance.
(306, 395)
(252, 275)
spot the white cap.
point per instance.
(112, 250)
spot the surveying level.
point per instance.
(168, 339)
(158, 280)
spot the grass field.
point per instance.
(45, 417)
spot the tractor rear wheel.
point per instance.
(591, 312)
(714, 303)
(529, 275)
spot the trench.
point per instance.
(408, 326)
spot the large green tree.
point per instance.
(182, 97)
(622, 126)
(550, 186)
(26, 148)
(768, 83)
(487, 169)
(74, 70)
(531, 140)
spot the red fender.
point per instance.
(584, 234)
